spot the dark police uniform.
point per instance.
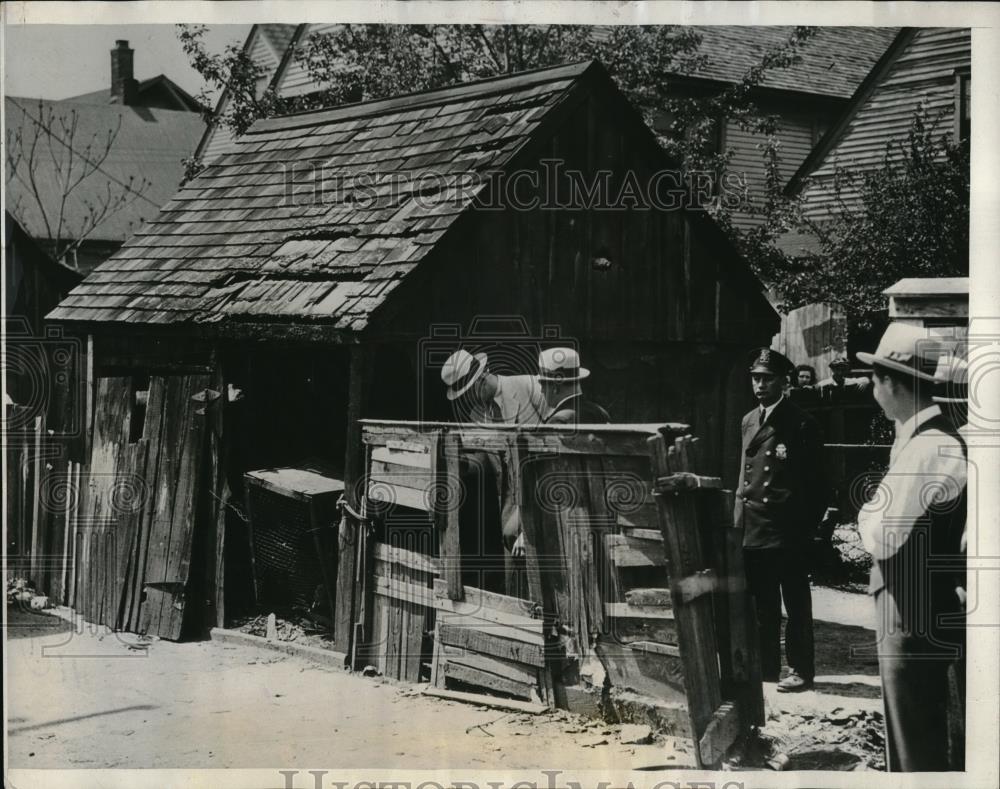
(780, 500)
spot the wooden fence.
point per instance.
(631, 562)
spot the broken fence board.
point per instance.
(722, 731)
(629, 611)
(494, 702)
(649, 597)
(510, 669)
(416, 561)
(490, 643)
(493, 600)
(474, 676)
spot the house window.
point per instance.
(963, 105)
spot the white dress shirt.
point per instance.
(925, 469)
(768, 409)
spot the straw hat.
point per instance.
(560, 364)
(461, 370)
(952, 379)
(904, 348)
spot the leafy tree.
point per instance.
(51, 169)
(908, 217)
(364, 62)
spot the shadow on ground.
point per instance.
(22, 622)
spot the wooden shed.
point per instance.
(320, 273)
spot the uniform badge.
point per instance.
(781, 452)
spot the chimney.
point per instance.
(123, 85)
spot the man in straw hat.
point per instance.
(780, 500)
(913, 528)
(479, 395)
(560, 374)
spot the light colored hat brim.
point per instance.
(583, 373)
(453, 394)
(945, 400)
(890, 364)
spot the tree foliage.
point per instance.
(353, 63)
(53, 166)
(907, 217)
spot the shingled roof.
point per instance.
(832, 62)
(149, 144)
(235, 246)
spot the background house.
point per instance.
(925, 68)
(89, 170)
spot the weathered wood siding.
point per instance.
(924, 74)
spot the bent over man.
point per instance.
(780, 500)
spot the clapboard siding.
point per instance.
(295, 81)
(923, 74)
(795, 140)
(265, 49)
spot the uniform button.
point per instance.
(746, 484)
(768, 453)
(748, 466)
(767, 468)
(765, 499)
(766, 484)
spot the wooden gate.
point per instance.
(631, 560)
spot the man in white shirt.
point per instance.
(479, 395)
(912, 527)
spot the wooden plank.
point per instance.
(389, 458)
(512, 670)
(474, 676)
(632, 629)
(186, 447)
(152, 433)
(494, 702)
(388, 493)
(722, 730)
(490, 642)
(684, 480)
(477, 622)
(131, 465)
(636, 667)
(359, 377)
(649, 535)
(523, 479)
(678, 522)
(401, 476)
(649, 597)
(414, 627)
(629, 611)
(437, 676)
(36, 490)
(624, 551)
(451, 549)
(480, 599)
(411, 559)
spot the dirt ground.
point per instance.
(79, 697)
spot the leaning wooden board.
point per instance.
(491, 643)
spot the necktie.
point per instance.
(760, 421)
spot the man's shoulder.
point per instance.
(519, 383)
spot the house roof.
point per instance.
(833, 61)
(147, 87)
(918, 69)
(283, 230)
(150, 144)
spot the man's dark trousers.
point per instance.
(773, 575)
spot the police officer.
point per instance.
(779, 503)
